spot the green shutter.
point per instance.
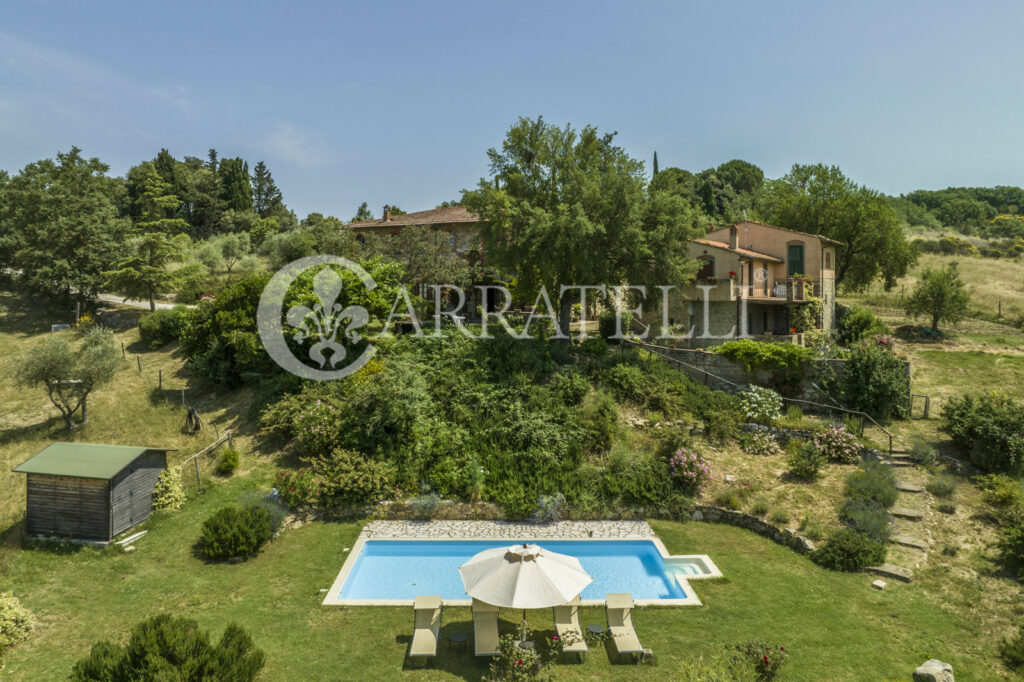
(795, 259)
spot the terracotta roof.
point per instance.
(776, 227)
(435, 216)
(743, 252)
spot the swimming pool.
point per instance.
(396, 571)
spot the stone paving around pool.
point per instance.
(618, 530)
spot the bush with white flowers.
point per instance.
(760, 405)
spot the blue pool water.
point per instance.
(403, 569)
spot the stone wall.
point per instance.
(787, 537)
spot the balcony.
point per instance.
(795, 290)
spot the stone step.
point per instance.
(908, 487)
(899, 463)
(890, 571)
(900, 456)
(903, 513)
(908, 541)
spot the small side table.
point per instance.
(527, 645)
(459, 639)
(595, 629)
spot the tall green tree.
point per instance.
(571, 208)
(69, 375)
(61, 228)
(940, 294)
(235, 185)
(363, 213)
(655, 172)
(143, 272)
(819, 199)
(266, 197)
(425, 254)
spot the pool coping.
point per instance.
(684, 581)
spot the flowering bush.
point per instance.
(689, 470)
(317, 428)
(16, 622)
(837, 444)
(764, 445)
(514, 664)
(760, 405)
(766, 660)
(168, 495)
(296, 488)
(885, 341)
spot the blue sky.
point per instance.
(398, 102)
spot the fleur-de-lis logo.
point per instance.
(327, 324)
(323, 322)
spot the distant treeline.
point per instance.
(991, 212)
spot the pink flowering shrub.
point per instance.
(689, 470)
(766, 660)
(838, 445)
(764, 444)
(316, 428)
(296, 488)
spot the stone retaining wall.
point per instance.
(787, 537)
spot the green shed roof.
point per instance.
(85, 460)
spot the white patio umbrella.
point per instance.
(523, 577)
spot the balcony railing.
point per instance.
(793, 289)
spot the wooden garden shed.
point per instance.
(85, 491)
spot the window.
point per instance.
(828, 259)
(451, 239)
(795, 259)
(707, 271)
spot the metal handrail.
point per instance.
(863, 415)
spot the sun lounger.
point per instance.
(427, 628)
(567, 626)
(620, 624)
(485, 629)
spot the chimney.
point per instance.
(387, 213)
(734, 238)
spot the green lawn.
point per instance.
(834, 625)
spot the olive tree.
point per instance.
(941, 295)
(69, 374)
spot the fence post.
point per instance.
(183, 397)
(231, 440)
(124, 355)
(160, 379)
(138, 359)
(196, 462)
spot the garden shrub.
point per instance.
(1012, 651)
(872, 481)
(168, 493)
(942, 486)
(763, 444)
(514, 664)
(805, 462)
(811, 529)
(947, 508)
(728, 498)
(760, 507)
(16, 622)
(236, 532)
(922, 453)
(600, 421)
(549, 508)
(858, 323)
(779, 517)
(848, 550)
(1011, 541)
(837, 444)
(1001, 492)
(192, 282)
(867, 517)
(570, 386)
(424, 505)
(690, 470)
(760, 405)
(167, 647)
(297, 488)
(229, 461)
(715, 667)
(348, 478)
(158, 328)
(606, 328)
(766, 660)
(989, 428)
(876, 382)
(593, 346)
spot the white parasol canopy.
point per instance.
(523, 577)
